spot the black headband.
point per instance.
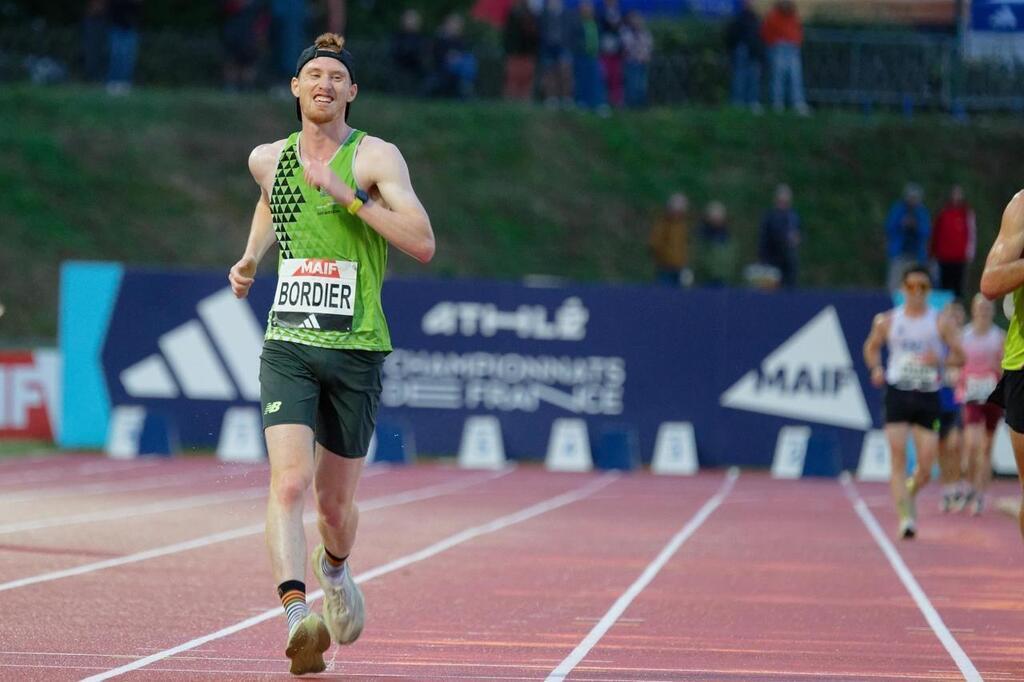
(311, 53)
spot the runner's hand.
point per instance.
(878, 377)
(242, 275)
(320, 176)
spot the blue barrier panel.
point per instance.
(737, 364)
(617, 448)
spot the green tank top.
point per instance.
(347, 260)
(1013, 353)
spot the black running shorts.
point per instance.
(912, 407)
(1009, 395)
(334, 392)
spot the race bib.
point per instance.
(916, 375)
(978, 389)
(315, 293)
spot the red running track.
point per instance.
(157, 570)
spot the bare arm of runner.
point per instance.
(262, 163)
(396, 212)
(950, 332)
(873, 348)
(1004, 267)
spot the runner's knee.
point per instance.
(289, 487)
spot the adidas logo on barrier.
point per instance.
(201, 357)
(809, 377)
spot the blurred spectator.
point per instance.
(637, 45)
(555, 55)
(124, 17)
(408, 51)
(288, 23)
(716, 251)
(521, 41)
(94, 40)
(743, 39)
(611, 51)
(783, 33)
(779, 242)
(455, 65)
(953, 241)
(242, 35)
(586, 69)
(907, 230)
(669, 242)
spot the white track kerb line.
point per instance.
(425, 553)
(623, 602)
(964, 663)
(254, 529)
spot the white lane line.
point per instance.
(963, 662)
(132, 485)
(131, 512)
(425, 553)
(254, 529)
(623, 602)
(140, 510)
(87, 469)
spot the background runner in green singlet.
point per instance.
(332, 198)
(1004, 274)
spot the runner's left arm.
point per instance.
(395, 211)
(950, 332)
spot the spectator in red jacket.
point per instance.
(783, 34)
(953, 241)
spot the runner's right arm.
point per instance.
(873, 348)
(262, 164)
(1004, 268)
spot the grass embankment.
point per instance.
(160, 178)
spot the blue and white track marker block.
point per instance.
(675, 450)
(875, 457)
(790, 451)
(569, 446)
(1003, 461)
(125, 431)
(241, 436)
(482, 446)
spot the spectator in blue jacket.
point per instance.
(907, 231)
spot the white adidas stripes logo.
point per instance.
(215, 357)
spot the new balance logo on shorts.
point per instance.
(213, 357)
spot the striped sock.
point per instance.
(293, 599)
(333, 567)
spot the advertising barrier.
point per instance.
(737, 365)
(29, 394)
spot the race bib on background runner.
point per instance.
(977, 389)
(315, 294)
(913, 373)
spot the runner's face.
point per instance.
(916, 288)
(324, 89)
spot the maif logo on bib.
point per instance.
(809, 377)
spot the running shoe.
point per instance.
(307, 642)
(344, 610)
(908, 529)
(948, 500)
(977, 505)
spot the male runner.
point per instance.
(983, 349)
(1004, 273)
(918, 339)
(334, 198)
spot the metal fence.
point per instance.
(841, 67)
